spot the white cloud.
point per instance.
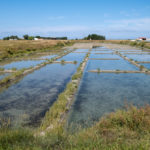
(124, 28)
(141, 24)
(131, 13)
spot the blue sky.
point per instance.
(116, 19)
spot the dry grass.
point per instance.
(9, 49)
(26, 44)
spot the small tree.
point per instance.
(94, 37)
(26, 37)
(31, 38)
(6, 38)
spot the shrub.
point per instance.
(94, 37)
(98, 70)
(14, 69)
(141, 67)
(75, 62)
(62, 61)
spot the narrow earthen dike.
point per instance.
(131, 61)
(117, 71)
(104, 59)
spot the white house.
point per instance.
(36, 39)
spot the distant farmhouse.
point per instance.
(142, 39)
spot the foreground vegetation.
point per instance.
(123, 130)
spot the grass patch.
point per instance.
(121, 130)
(98, 70)
(141, 67)
(2, 69)
(62, 61)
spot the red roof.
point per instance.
(143, 38)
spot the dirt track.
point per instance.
(110, 46)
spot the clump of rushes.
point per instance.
(62, 61)
(50, 61)
(131, 59)
(98, 70)
(141, 67)
(77, 76)
(14, 69)
(44, 63)
(75, 62)
(2, 69)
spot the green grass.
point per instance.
(127, 129)
(2, 69)
(98, 70)
(62, 61)
(141, 67)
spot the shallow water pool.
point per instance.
(103, 93)
(28, 100)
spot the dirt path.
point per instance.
(85, 45)
(120, 46)
(107, 45)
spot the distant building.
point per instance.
(142, 38)
(36, 39)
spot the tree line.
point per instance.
(27, 37)
(94, 37)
